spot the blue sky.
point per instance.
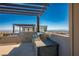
(55, 17)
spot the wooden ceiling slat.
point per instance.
(18, 13)
(8, 8)
(22, 6)
(41, 4)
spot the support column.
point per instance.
(19, 29)
(13, 28)
(33, 29)
(38, 24)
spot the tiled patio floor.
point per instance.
(23, 49)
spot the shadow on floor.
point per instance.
(25, 49)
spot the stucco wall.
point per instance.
(4, 40)
(26, 36)
(64, 44)
(22, 37)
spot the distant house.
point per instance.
(43, 28)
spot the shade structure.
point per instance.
(22, 25)
(32, 9)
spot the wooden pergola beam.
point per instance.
(40, 4)
(22, 6)
(20, 9)
(19, 13)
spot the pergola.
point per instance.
(32, 9)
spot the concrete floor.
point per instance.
(23, 49)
